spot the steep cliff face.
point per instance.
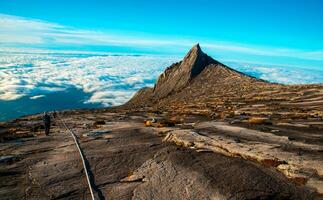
(179, 75)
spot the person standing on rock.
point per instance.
(46, 119)
(54, 114)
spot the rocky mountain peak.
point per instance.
(180, 74)
(197, 75)
(194, 51)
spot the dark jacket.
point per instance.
(46, 119)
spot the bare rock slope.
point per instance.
(130, 161)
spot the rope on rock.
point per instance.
(81, 155)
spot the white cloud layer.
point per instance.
(280, 74)
(111, 80)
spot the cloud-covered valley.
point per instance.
(111, 80)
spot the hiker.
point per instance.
(54, 114)
(46, 119)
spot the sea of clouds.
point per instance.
(281, 74)
(109, 79)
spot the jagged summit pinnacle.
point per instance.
(196, 48)
(180, 74)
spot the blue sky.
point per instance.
(274, 32)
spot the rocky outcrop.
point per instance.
(238, 142)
